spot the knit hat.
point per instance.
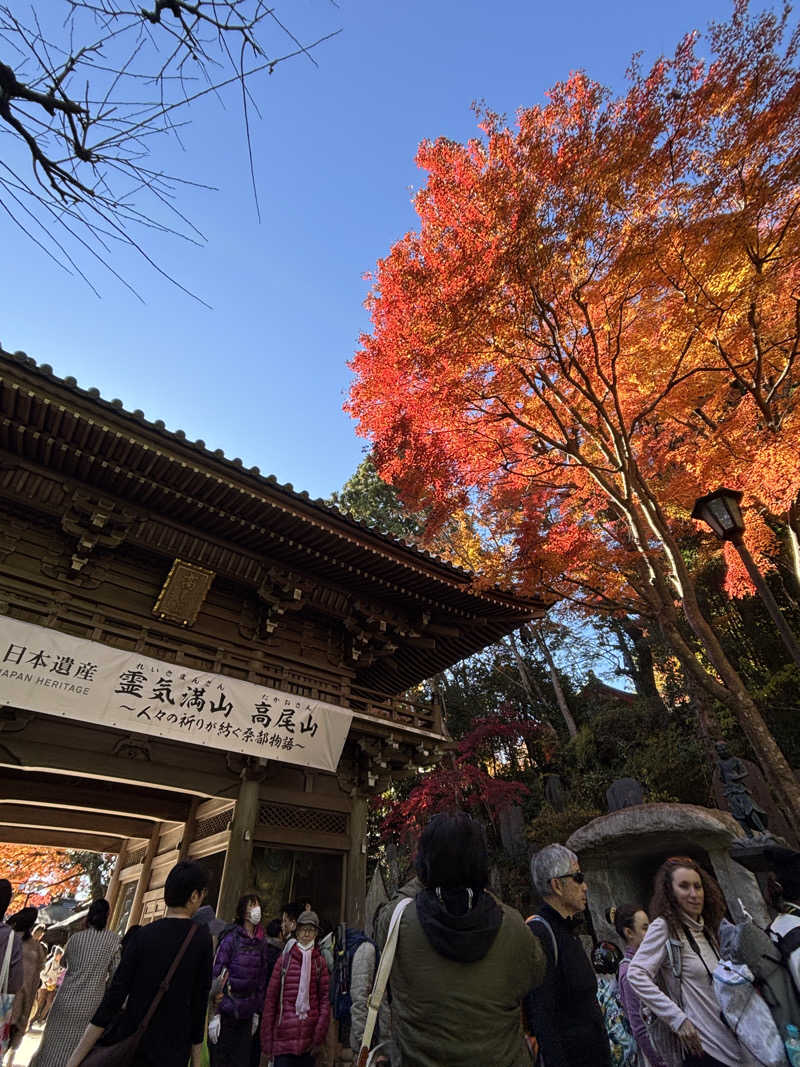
(308, 918)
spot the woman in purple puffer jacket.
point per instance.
(242, 952)
(297, 1009)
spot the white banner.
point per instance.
(57, 674)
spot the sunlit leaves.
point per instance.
(598, 319)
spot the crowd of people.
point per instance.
(470, 982)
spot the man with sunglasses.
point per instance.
(562, 1013)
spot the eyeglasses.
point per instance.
(577, 876)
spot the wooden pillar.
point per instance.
(112, 893)
(188, 829)
(236, 875)
(356, 861)
(144, 877)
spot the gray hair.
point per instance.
(549, 863)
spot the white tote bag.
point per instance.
(366, 1057)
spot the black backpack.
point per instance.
(786, 944)
(345, 945)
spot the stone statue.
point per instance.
(733, 776)
(624, 793)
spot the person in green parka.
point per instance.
(464, 960)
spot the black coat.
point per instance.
(563, 1013)
(180, 1019)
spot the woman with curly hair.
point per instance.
(672, 970)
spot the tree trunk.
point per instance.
(793, 535)
(769, 755)
(533, 690)
(639, 661)
(558, 689)
(732, 691)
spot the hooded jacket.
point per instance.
(283, 1032)
(246, 961)
(458, 980)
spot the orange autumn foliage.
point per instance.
(598, 320)
(38, 875)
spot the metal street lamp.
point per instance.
(721, 511)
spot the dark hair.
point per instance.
(274, 928)
(786, 866)
(5, 895)
(241, 907)
(98, 914)
(185, 878)
(452, 853)
(293, 910)
(23, 922)
(622, 917)
(664, 905)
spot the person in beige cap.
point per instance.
(296, 1009)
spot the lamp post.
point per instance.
(721, 511)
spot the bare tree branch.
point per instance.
(89, 91)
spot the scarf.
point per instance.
(302, 1005)
(698, 936)
(455, 930)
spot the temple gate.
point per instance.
(125, 547)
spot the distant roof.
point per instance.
(76, 917)
(118, 451)
(596, 687)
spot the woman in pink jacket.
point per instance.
(296, 1010)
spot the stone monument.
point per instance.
(511, 823)
(621, 852)
(377, 896)
(624, 793)
(554, 792)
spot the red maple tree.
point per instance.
(598, 319)
(472, 780)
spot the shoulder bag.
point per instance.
(122, 1053)
(365, 1057)
(663, 1039)
(6, 998)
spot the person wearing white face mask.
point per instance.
(297, 1009)
(242, 956)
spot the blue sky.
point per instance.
(263, 374)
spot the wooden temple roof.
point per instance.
(74, 433)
